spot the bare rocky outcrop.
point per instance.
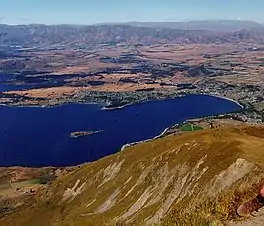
(71, 193)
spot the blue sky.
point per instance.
(98, 11)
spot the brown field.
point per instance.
(71, 70)
(193, 54)
(123, 87)
(247, 78)
(58, 92)
(54, 92)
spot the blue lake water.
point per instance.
(35, 136)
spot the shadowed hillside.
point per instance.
(197, 178)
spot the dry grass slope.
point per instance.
(197, 178)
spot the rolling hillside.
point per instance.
(197, 178)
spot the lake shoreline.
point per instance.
(212, 95)
(226, 98)
(104, 105)
(178, 124)
(143, 141)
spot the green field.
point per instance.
(189, 127)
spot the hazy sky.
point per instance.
(98, 11)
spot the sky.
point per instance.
(104, 11)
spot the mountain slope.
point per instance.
(44, 35)
(195, 178)
(211, 25)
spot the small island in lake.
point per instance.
(84, 133)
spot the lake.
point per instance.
(35, 136)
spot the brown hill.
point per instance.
(197, 178)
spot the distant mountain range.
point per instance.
(134, 32)
(211, 25)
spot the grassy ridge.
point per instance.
(198, 178)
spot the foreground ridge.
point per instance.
(199, 178)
